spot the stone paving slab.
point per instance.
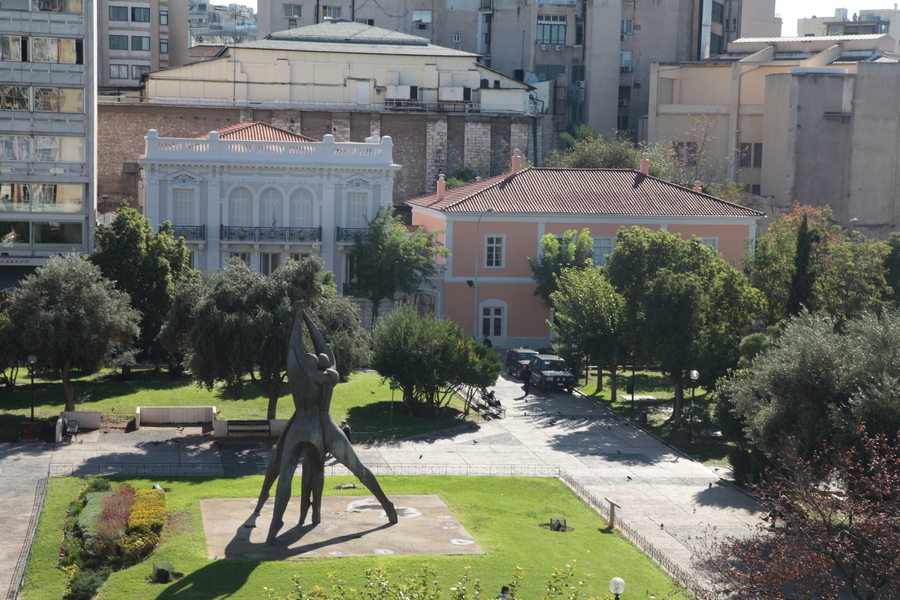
(351, 526)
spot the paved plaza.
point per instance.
(665, 497)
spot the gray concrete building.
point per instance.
(866, 22)
(48, 129)
(136, 37)
(603, 49)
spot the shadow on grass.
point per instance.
(385, 421)
(219, 579)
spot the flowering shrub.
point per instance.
(148, 515)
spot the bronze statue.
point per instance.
(311, 433)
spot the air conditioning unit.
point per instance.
(580, 84)
(559, 47)
(625, 69)
(545, 47)
(421, 25)
(623, 101)
(451, 94)
(622, 36)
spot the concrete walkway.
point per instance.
(666, 498)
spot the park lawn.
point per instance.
(364, 401)
(503, 515)
(711, 450)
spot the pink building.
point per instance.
(492, 226)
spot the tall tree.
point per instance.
(829, 269)
(235, 324)
(573, 251)
(589, 317)
(681, 298)
(391, 260)
(833, 530)
(71, 317)
(145, 264)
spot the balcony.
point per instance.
(191, 233)
(350, 290)
(348, 234)
(289, 235)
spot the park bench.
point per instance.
(71, 426)
(250, 427)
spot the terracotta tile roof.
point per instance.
(257, 131)
(582, 192)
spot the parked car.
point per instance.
(517, 359)
(550, 372)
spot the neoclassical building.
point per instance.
(265, 195)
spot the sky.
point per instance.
(790, 10)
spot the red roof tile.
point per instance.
(582, 192)
(257, 131)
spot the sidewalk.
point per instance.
(665, 497)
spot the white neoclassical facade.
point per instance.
(266, 195)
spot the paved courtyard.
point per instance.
(665, 497)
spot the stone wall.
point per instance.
(424, 144)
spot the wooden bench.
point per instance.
(250, 427)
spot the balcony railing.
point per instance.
(271, 234)
(352, 291)
(348, 234)
(190, 232)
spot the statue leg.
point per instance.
(306, 478)
(318, 484)
(273, 467)
(342, 450)
(283, 491)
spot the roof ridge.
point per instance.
(499, 178)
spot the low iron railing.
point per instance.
(270, 234)
(189, 232)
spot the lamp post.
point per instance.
(475, 285)
(695, 375)
(617, 586)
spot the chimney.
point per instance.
(516, 161)
(645, 164)
(441, 187)
(698, 187)
(478, 178)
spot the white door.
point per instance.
(362, 92)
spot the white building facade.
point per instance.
(266, 200)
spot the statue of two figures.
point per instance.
(311, 433)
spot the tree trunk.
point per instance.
(67, 386)
(273, 403)
(613, 381)
(675, 419)
(599, 377)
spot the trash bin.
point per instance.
(28, 430)
(642, 417)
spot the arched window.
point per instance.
(270, 208)
(240, 203)
(301, 209)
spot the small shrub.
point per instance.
(85, 585)
(98, 485)
(148, 515)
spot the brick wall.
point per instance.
(424, 144)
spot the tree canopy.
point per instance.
(147, 265)
(71, 317)
(685, 307)
(817, 380)
(573, 251)
(429, 357)
(832, 531)
(235, 324)
(589, 319)
(391, 260)
(806, 259)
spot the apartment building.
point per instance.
(603, 48)
(211, 24)
(866, 22)
(808, 119)
(47, 132)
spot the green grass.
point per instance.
(364, 401)
(711, 450)
(502, 514)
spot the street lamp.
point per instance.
(475, 283)
(617, 586)
(695, 375)
(31, 360)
